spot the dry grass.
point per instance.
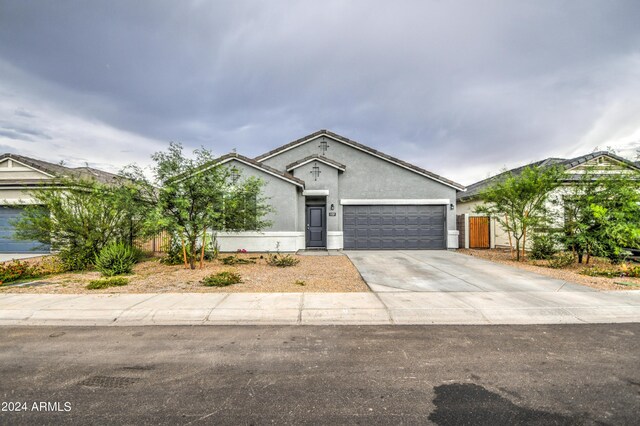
(319, 274)
(571, 273)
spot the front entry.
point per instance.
(316, 227)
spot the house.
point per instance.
(477, 231)
(330, 192)
(18, 174)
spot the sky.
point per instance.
(463, 89)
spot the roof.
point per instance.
(255, 164)
(58, 170)
(316, 157)
(474, 189)
(364, 148)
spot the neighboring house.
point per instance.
(330, 192)
(18, 174)
(473, 229)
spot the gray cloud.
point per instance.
(461, 88)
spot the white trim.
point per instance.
(394, 202)
(261, 159)
(18, 202)
(316, 192)
(219, 163)
(317, 159)
(452, 239)
(335, 240)
(261, 241)
(25, 165)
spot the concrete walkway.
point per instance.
(541, 307)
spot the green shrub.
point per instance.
(562, 260)
(543, 247)
(76, 258)
(222, 279)
(107, 282)
(282, 260)
(116, 259)
(300, 283)
(17, 270)
(624, 270)
(235, 260)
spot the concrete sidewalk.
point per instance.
(542, 307)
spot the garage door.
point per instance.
(7, 242)
(394, 227)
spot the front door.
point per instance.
(316, 227)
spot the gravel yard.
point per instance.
(319, 274)
(571, 273)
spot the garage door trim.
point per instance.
(396, 202)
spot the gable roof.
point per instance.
(316, 157)
(256, 165)
(364, 148)
(56, 170)
(474, 189)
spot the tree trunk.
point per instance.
(192, 258)
(580, 254)
(184, 253)
(204, 238)
(506, 221)
(517, 250)
(524, 243)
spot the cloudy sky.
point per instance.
(460, 88)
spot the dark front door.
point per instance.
(316, 227)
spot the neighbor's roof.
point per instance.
(316, 157)
(474, 189)
(364, 148)
(57, 170)
(255, 164)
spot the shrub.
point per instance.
(282, 260)
(235, 260)
(107, 282)
(222, 279)
(76, 258)
(300, 283)
(543, 247)
(561, 260)
(17, 270)
(116, 259)
(623, 270)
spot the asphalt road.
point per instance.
(560, 374)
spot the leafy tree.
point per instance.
(519, 202)
(196, 196)
(79, 216)
(602, 215)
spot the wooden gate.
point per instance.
(479, 232)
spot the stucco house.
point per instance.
(330, 192)
(18, 174)
(471, 237)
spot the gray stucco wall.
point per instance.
(328, 179)
(366, 177)
(283, 197)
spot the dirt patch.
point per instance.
(318, 273)
(571, 273)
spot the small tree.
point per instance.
(79, 216)
(518, 202)
(196, 196)
(602, 215)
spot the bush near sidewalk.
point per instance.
(103, 283)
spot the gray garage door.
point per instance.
(394, 227)
(7, 242)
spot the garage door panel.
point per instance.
(8, 243)
(392, 227)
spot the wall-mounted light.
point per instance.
(451, 206)
(332, 207)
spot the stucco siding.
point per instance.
(282, 196)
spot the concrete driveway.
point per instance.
(445, 271)
(442, 287)
(18, 256)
